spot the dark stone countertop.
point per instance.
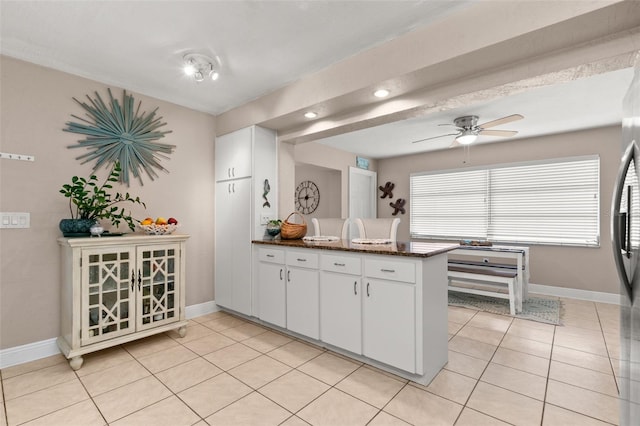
(400, 248)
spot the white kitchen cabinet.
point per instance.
(233, 245)
(340, 302)
(389, 323)
(233, 155)
(388, 310)
(271, 287)
(118, 289)
(303, 299)
(246, 196)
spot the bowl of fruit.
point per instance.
(160, 226)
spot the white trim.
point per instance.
(29, 352)
(44, 348)
(200, 309)
(574, 293)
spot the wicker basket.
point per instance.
(293, 231)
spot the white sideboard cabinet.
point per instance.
(246, 197)
(118, 289)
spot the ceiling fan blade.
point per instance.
(503, 133)
(499, 121)
(455, 143)
(436, 137)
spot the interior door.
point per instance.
(362, 196)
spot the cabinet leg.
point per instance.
(182, 331)
(76, 362)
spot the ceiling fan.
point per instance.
(469, 129)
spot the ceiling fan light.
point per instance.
(214, 75)
(467, 137)
(189, 69)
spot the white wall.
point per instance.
(330, 188)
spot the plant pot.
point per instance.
(76, 227)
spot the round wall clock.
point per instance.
(120, 133)
(307, 197)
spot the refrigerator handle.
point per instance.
(620, 222)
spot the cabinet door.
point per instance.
(156, 281)
(340, 311)
(107, 307)
(389, 323)
(233, 245)
(233, 155)
(271, 293)
(303, 314)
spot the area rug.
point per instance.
(546, 310)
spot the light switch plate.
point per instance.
(15, 220)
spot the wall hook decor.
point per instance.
(386, 190)
(398, 206)
(117, 132)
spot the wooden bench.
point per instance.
(490, 278)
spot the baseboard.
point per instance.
(44, 348)
(29, 352)
(574, 293)
(200, 309)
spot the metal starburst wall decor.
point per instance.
(121, 133)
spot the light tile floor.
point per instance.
(228, 371)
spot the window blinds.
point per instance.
(551, 203)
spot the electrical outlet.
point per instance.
(265, 218)
(15, 220)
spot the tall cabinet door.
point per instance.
(233, 245)
(224, 245)
(240, 227)
(158, 291)
(108, 293)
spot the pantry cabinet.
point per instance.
(246, 198)
(119, 289)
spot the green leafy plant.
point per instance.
(88, 200)
(275, 222)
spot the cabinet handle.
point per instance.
(133, 279)
(289, 276)
(280, 274)
(229, 188)
(139, 279)
(271, 255)
(355, 288)
(388, 270)
(233, 171)
(233, 185)
(338, 264)
(228, 172)
(301, 260)
(367, 289)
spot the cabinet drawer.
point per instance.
(342, 264)
(390, 270)
(302, 259)
(271, 255)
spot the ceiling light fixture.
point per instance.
(201, 66)
(381, 93)
(310, 114)
(467, 137)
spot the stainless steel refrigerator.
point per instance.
(625, 229)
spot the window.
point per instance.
(546, 203)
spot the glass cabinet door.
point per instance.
(158, 291)
(107, 294)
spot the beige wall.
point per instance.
(36, 103)
(330, 188)
(573, 267)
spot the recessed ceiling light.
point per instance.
(310, 114)
(381, 93)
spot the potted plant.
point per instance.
(273, 227)
(89, 202)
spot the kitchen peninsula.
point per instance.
(383, 304)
